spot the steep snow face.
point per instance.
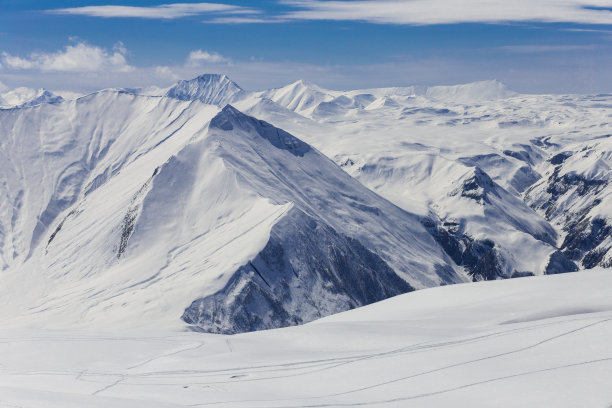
(307, 270)
(212, 89)
(125, 210)
(56, 155)
(340, 246)
(24, 97)
(460, 156)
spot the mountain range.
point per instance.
(210, 207)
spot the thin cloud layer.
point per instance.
(198, 57)
(79, 57)
(163, 11)
(67, 70)
(427, 12)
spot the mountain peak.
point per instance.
(302, 83)
(24, 97)
(212, 89)
(230, 118)
(208, 78)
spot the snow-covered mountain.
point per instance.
(213, 89)
(575, 194)
(469, 160)
(167, 208)
(129, 210)
(24, 97)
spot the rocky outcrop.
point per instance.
(306, 271)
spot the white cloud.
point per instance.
(165, 72)
(198, 57)
(425, 12)
(79, 57)
(556, 73)
(163, 11)
(16, 62)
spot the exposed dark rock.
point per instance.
(594, 258)
(518, 274)
(560, 158)
(127, 227)
(307, 270)
(544, 142)
(477, 187)
(59, 227)
(129, 220)
(559, 263)
(449, 242)
(584, 238)
(479, 257)
(557, 186)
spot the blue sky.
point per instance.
(530, 45)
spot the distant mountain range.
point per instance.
(208, 206)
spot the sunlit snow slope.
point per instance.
(165, 208)
(121, 210)
(531, 342)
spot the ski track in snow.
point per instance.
(385, 367)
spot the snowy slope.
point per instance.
(531, 342)
(126, 210)
(463, 157)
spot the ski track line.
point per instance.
(425, 373)
(173, 353)
(475, 360)
(340, 361)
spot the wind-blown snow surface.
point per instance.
(127, 210)
(531, 342)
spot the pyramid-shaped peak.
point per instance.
(231, 118)
(213, 89)
(214, 78)
(302, 83)
(24, 97)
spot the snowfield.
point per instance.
(529, 342)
